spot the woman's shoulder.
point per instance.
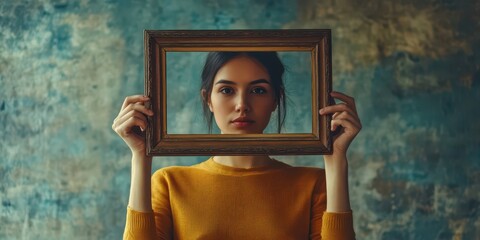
(173, 170)
(302, 169)
(307, 171)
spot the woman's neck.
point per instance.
(243, 161)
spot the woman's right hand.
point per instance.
(131, 122)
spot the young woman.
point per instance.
(240, 197)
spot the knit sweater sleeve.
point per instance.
(139, 225)
(156, 224)
(328, 225)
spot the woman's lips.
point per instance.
(242, 122)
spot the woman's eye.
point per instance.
(259, 90)
(226, 90)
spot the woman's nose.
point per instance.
(242, 104)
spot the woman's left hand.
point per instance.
(344, 115)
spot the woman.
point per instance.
(240, 197)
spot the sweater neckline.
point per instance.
(227, 170)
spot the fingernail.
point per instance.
(141, 128)
(321, 111)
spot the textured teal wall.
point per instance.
(413, 66)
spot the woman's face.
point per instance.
(242, 97)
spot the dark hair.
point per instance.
(270, 60)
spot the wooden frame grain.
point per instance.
(159, 42)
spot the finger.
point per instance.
(132, 114)
(130, 135)
(135, 107)
(341, 107)
(346, 124)
(133, 99)
(124, 128)
(345, 98)
(346, 115)
(335, 115)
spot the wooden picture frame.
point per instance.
(159, 42)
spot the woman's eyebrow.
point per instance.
(225, 82)
(259, 81)
(234, 83)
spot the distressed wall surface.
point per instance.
(413, 66)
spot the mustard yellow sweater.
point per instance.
(213, 201)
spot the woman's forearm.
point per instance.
(336, 172)
(140, 188)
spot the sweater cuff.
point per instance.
(338, 224)
(139, 220)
